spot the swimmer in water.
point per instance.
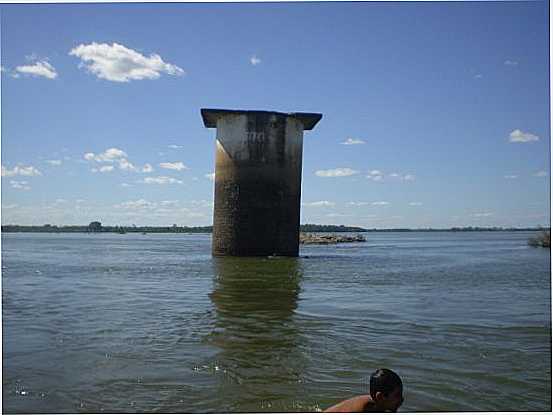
(385, 395)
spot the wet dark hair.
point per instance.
(385, 381)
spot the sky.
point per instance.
(434, 114)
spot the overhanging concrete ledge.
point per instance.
(211, 115)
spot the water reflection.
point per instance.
(255, 299)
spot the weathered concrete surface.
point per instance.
(257, 181)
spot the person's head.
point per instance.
(386, 390)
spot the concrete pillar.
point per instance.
(257, 181)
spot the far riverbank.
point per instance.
(307, 228)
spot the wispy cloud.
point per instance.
(415, 204)
(103, 169)
(175, 146)
(147, 168)
(478, 76)
(21, 185)
(177, 165)
(125, 164)
(510, 176)
(38, 69)
(9, 72)
(110, 155)
(352, 141)
(338, 215)
(509, 62)
(320, 203)
(339, 172)
(20, 171)
(358, 203)
(54, 162)
(118, 63)
(482, 214)
(541, 173)
(139, 204)
(375, 175)
(161, 180)
(11, 206)
(254, 60)
(381, 203)
(518, 136)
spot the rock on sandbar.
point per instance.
(313, 239)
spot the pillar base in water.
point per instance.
(257, 181)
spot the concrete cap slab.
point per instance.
(211, 115)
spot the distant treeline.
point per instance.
(107, 229)
(95, 227)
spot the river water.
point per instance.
(152, 323)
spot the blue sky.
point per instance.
(434, 114)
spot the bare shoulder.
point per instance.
(355, 404)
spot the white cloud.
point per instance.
(542, 173)
(178, 165)
(105, 169)
(110, 155)
(380, 203)
(518, 136)
(352, 141)
(124, 164)
(20, 171)
(337, 215)
(339, 172)
(509, 62)
(320, 203)
(478, 76)
(147, 168)
(482, 214)
(201, 203)
(254, 60)
(510, 176)
(375, 175)
(136, 204)
(113, 155)
(161, 180)
(126, 185)
(54, 162)
(358, 203)
(21, 185)
(406, 177)
(40, 68)
(210, 176)
(118, 63)
(175, 146)
(415, 204)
